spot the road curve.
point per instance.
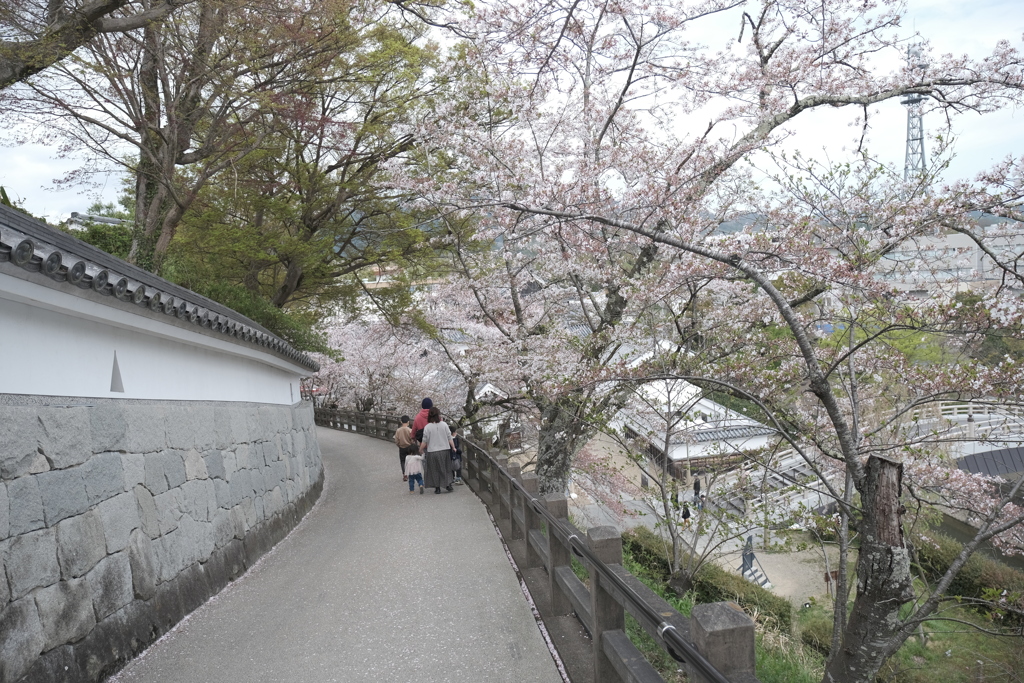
(374, 584)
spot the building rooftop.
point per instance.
(994, 463)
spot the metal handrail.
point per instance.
(677, 647)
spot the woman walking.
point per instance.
(437, 444)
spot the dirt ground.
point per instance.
(797, 575)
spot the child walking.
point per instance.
(406, 444)
(414, 471)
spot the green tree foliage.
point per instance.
(113, 238)
(180, 101)
(298, 228)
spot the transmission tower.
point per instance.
(914, 165)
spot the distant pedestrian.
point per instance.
(414, 471)
(405, 443)
(457, 454)
(437, 444)
(421, 419)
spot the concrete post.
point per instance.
(606, 612)
(475, 463)
(500, 489)
(532, 484)
(558, 553)
(514, 502)
(724, 634)
(468, 457)
(486, 491)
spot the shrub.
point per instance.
(116, 240)
(714, 584)
(816, 630)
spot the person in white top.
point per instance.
(437, 444)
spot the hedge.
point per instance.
(714, 584)
(648, 550)
(936, 552)
(711, 583)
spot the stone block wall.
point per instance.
(118, 518)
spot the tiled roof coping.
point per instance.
(43, 253)
(730, 432)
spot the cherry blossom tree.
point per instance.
(382, 368)
(656, 418)
(544, 317)
(581, 151)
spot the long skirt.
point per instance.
(437, 469)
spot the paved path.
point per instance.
(374, 584)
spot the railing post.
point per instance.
(607, 614)
(487, 480)
(514, 502)
(471, 467)
(558, 553)
(532, 484)
(501, 487)
(724, 634)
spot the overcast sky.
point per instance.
(955, 26)
(952, 26)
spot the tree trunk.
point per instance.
(560, 436)
(147, 174)
(884, 582)
(470, 409)
(170, 117)
(292, 281)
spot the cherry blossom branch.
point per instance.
(818, 382)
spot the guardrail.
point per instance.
(979, 410)
(377, 425)
(716, 643)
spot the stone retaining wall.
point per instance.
(118, 518)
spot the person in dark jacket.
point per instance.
(421, 419)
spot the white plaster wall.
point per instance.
(56, 344)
